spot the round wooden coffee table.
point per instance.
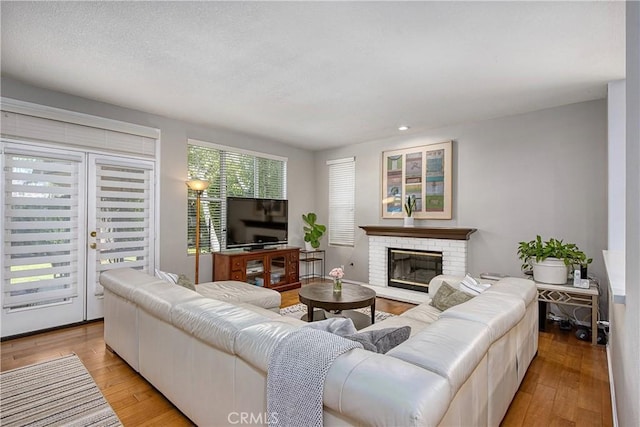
(352, 296)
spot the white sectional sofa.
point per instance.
(460, 367)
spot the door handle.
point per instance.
(93, 246)
(93, 234)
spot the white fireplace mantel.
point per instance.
(452, 242)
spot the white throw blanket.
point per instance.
(296, 373)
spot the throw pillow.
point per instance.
(185, 282)
(472, 287)
(338, 325)
(167, 277)
(443, 292)
(448, 296)
(381, 340)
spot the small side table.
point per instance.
(321, 295)
(569, 295)
(310, 258)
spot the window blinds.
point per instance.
(41, 246)
(342, 193)
(230, 172)
(123, 217)
(33, 122)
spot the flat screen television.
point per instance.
(256, 223)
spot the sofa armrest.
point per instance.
(375, 389)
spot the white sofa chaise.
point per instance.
(237, 292)
(461, 366)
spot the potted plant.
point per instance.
(550, 260)
(313, 231)
(409, 208)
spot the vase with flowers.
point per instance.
(337, 274)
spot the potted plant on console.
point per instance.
(409, 208)
(313, 231)
(550, 261)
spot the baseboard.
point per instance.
(55, 328)
(612, 390)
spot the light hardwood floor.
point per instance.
(566, 385)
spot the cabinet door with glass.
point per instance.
(255, 272)
(277, 270)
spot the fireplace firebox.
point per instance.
(413, 269)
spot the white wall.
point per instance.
(616, 113)
(624, 346)
(173, 168)
(543, 173)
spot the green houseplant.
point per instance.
(313, 231)
(550, 260)
(410, 206)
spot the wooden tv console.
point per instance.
(272, 268)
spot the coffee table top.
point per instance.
(322, 296)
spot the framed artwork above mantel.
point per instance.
(422, 172)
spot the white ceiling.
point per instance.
(319, 74)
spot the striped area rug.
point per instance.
(59, 392)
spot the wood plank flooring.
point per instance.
(567, 383)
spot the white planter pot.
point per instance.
(408, 221)
(308, 247)
(552, 271)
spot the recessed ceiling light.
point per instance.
(403, 128)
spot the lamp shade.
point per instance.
(197, 184)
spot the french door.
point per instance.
(120, 221)
(67, 216)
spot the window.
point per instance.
(230, 172)
(342, 200)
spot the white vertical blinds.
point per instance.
(41, 227)
(123, 217)
(342, 194)
(230, 172)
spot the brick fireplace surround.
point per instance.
(452, 242)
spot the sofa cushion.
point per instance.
(124, 281)
(424, 312)
(255, 343)
(381, 340)
(499, 312)
(451, 348)
(272, 315)
(522, 288)
(157, 298)
(237, 292)
(215, 322)
(397, 322)
(377, 390)
(448, 296)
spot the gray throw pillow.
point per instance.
(381, 340)
(338, 325)
(185, 282)
(448, 296)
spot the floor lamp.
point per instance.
(198, 186)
